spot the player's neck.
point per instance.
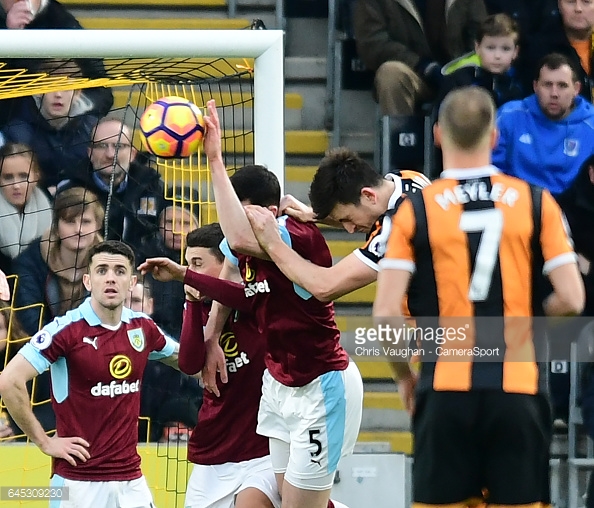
(462, 160)
(109, 317)
(385, 193)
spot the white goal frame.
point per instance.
(265, 46)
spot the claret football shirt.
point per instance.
(96, 371)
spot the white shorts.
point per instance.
(216, 486)
(127, 494)
(311, 427)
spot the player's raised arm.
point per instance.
(231, 214)
(324, 283)
(13, 390)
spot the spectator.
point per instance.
(177, 417)
(497, 47)
(175, 221)
(57, 125)
(569, 34)
(25, 210)
(50, 270)
(137, 191)
(407, 43)
(545, 138)
(50, 14)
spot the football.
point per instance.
(172, 127)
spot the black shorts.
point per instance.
(466, 443)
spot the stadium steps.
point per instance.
(102, 4)
(181, 23)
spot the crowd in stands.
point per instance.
(69, 178)
(65, 158)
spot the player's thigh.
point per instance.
(84, 493)
(447, 456)
(324, 424)
(258, 480)
(517, 438)
(295, 497)
(271, 422)
(135, 494)
(213, 486)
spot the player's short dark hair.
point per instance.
(256, 184)
(339, 180)
(113, 247)
(208, 237)
(554, 61)
(498, 25)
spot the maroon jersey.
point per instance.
(303, 341)
(96, 372)
(226, 428)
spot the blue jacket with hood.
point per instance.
(542, 151)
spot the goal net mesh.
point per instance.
(135, 83)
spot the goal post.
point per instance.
(266, 47)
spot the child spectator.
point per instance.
(25, 210)
(57, 125)
(497, 47)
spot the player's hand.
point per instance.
(163, 269)
(263, 224)
(192, 294)
(291, 206)
(5, 430)
(4, 287)
(406, 389)
(67, 448)
(19, 15)
(212, 137)
(214, 362)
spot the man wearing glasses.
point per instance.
(136, 190)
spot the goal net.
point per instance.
(241, 70)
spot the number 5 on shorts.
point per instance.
(316, 442)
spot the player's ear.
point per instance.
(369, 193)
(133, 281)
(273, 209)
(494, 137)
(437, 134)
(87, 281)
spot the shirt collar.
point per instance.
(93, 319)
(397, 189)
(467, 173)
(105, 186)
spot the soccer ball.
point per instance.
(172, 127)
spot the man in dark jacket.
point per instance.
(136, 190)
(406, 43)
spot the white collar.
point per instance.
(467, 173)
(397, 189)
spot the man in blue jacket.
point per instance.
(545, 138)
